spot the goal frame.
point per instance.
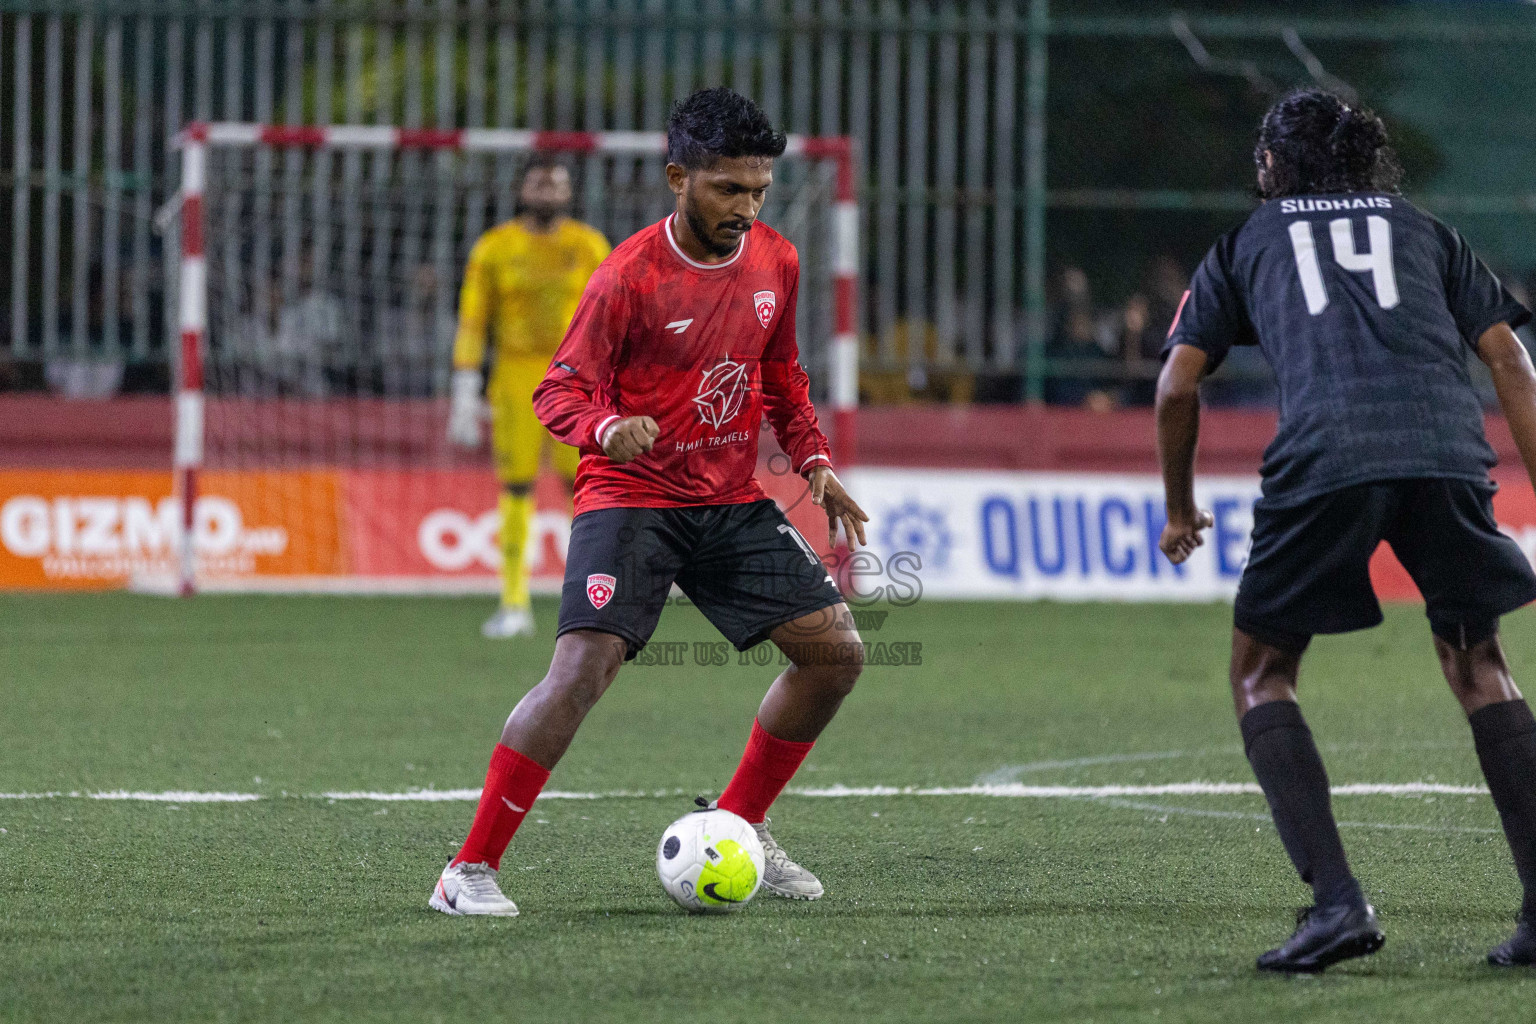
(200, 137)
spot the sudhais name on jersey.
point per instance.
(1329, 205)
(714, 441)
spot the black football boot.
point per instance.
(1324, 936)
(1519, 950)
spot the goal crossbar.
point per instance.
(199, 138)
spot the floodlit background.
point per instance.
(232, 806)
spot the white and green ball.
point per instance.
(710, 862)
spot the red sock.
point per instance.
(512, 784)
(766, 768)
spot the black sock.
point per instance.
(1290, 771)
(1505, 735)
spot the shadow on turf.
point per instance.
(1140, 914)
(1412, 957)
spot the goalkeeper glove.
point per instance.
(466, 411)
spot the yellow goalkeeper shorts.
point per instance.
(517, 436)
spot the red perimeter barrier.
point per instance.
(1053, 439)
(39, 430)
(406, 503)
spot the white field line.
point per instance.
(1200, 812)
(1009, 790)
(433, 796)
(171, 796)
(1020, 790)
(1014, 772)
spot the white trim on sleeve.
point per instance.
(806, 464)
(604, 426)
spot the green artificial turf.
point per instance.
(938, 908)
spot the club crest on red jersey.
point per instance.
(764, 303)
(720, 392)
(600, 588)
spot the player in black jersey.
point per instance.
(1366, 308)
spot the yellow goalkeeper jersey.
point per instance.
(526, 284)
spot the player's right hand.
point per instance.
(1181, 536)
(630, 438)
(465, 412)
(827, 492)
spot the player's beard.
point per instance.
(544, 215)
(702, 231)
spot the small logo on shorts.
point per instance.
(600, 588)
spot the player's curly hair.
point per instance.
(716, 123)
(1322, 144)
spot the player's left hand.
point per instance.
(1181, 536)
(827, 491)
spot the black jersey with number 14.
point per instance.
(1367, 308)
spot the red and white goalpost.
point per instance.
(317, 294)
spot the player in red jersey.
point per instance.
(683, 341)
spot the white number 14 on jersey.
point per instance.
(1377, 260)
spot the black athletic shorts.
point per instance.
(745, 566)
(1308, 568)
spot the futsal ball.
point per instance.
(710, 862)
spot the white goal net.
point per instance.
(312, 447)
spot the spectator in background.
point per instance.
(1144, 324)
(1137, 335)
(1132, 336)
(1076, 337)
(95, 372)
(242, 363)
(1245, 378)
(1166, 283)
(412, 336)
(309, 336)
(284, 344)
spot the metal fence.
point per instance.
(947, 100)
(332, 271)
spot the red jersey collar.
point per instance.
(666, 229)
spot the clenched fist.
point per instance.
(629, 438)
(1183, 534)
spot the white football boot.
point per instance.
(782, 876)
(508, 622)
(468, 889)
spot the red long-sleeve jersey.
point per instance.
(705, 349)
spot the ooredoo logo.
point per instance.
(97, 537)
(452, 540)
(720, 393)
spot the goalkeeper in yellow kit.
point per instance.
(523, 279)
